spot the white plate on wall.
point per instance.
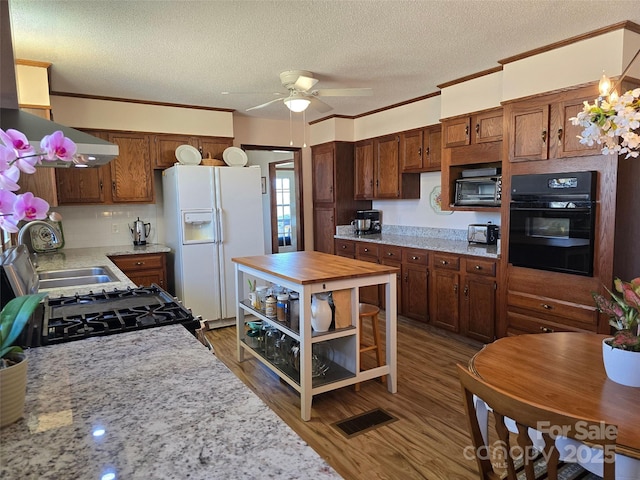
(188, 155)
(235, 157)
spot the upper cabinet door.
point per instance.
(411, 151)
(530, 134)
(214, 146)
(457, 132)
(432, 149)
(363, 178)
(322, 160)
(565, 136)
(131, 174)
(387, 164)
(164, 148)
(488, 126)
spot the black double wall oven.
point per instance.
(552, 222)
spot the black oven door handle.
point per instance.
(514, 208)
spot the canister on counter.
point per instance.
(294, 311)
(282, 308)
(270, 307)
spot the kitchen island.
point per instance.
(148, 404)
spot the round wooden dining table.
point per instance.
(563, 371)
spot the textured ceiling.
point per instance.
(188, 52)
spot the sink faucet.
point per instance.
(23, 231)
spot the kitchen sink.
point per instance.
(76, 276)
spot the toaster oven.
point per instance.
(480, 191)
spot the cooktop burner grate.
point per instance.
(75, 317)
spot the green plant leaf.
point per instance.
(14, 317)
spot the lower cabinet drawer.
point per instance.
(519, 323)
(345, 248)
(451, 262)
(582, 316)
(479, 266)
(417, 257)
(367, 250)
(139, 262)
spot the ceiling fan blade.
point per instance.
(319, 105)
(264, 104)
(343, 92)
(275, 94)
(304, 83)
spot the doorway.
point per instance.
(282, 196)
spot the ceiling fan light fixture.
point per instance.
(297, 104)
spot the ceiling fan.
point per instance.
(300, 84)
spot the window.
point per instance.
(283, 210)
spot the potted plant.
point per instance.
(621, 353)
(13, 362)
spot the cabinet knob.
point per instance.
(477, 128)
(544, 136)
(546, 330)
(389, 254)
(466, 290)
(414, 258)
(466, 130)
(455, 288)
(344, 246)
(478, 267)
(443, 262)
(139, 263)
(100, 185)
(559, 137)
(546, 306)
(419, 151)
(428, 151)
(366, 249)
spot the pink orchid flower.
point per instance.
(9, 178)
(17, 141)
(8, 224)
(7, 201)
(58, 146)
(29, 207)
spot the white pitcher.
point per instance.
(321, 314)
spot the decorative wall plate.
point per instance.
(435, 199)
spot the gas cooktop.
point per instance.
(68, 318)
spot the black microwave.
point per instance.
(479, 191)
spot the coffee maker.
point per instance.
(367, 222)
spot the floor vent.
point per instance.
(364, 422)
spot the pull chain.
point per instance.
(290, 130)
(304, 129)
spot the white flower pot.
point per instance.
(13, 389)
(622, 366)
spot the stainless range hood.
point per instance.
(95, 150)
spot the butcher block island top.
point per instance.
(313, 267)
(326, 356)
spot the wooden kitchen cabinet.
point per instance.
(364, 171)
(377, 170)
(415, 284)
(144, 269)
(444, 293)
(42, 183)
(84, 185)
(333, 192)
(131, 173)
(164, 146)
(480, 127)
(420, 150)
(540, 129)
(478, 308)
(345, 248)
(126, 179)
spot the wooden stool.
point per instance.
(370, 311)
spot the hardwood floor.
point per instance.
(428, 439)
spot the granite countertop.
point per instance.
(440, 240)
(152, 403)
(89, 257)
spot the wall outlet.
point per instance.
(115, 228)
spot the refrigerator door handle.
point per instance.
(220, 226)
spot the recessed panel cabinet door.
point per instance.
(363, 188)
(387, 167)
(415, 300)
(566, 136)
(81, 185)
(131, 174)
(324, 229)
(530, 136)
(165, 148)
(479, 308)
(323, 174)
(444, 299)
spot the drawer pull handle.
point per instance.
(546, 330)
(478, 267)
(139, 263)
(414, 258)
(344, 246)
(444, 262)
(389, 254)
(366, 249)
(546, 306)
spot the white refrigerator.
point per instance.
(211, 215)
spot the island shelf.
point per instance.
(308, 273)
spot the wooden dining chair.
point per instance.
(516, 453)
